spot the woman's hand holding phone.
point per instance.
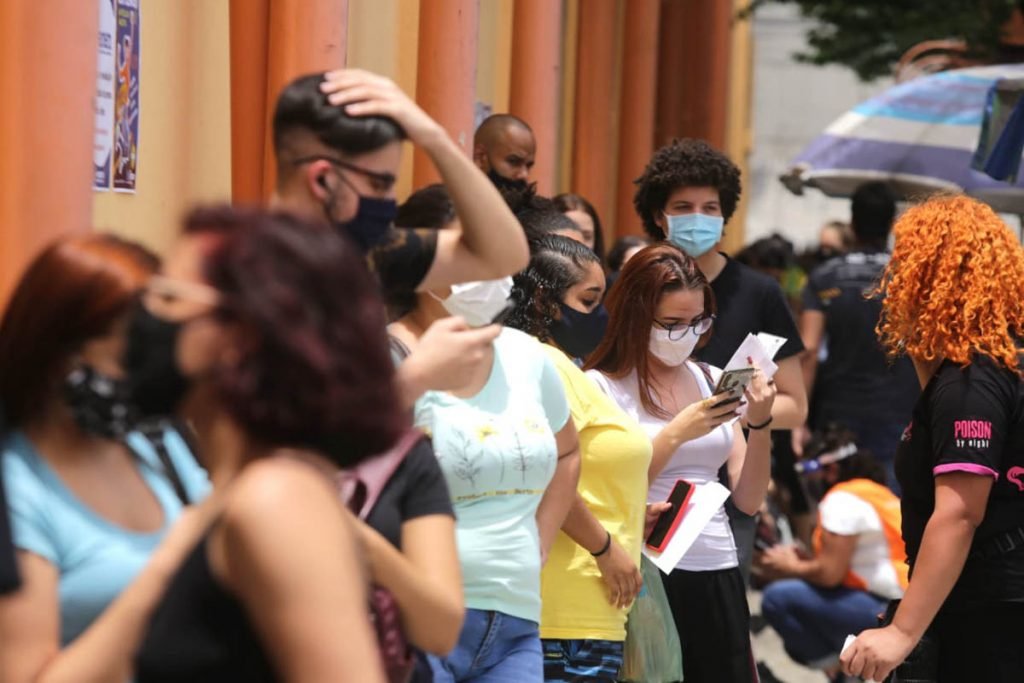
(700, 418)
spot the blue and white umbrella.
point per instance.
(918, 136)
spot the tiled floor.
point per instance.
(768, 648)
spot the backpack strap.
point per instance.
(362, 485)
(706, 371)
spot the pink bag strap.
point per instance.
(361, 486)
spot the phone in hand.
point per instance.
(669, 520)
(734, 382)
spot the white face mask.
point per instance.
(478, 303)
(672, 353)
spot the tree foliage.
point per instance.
(870, 36)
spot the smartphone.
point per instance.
(668, 520)
(734, 382)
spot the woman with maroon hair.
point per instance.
(268, 336)
(90, 501)
(660, 310)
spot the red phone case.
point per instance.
(675, 523)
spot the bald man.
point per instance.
(504, 148)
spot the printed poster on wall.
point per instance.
(103, 133)
(126, 101)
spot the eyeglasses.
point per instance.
(381, 181)
(677, 331)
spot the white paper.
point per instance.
(848, 643)
(704, 503)
(771, 343)
(753, 349)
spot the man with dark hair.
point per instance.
(846, 372)
(337, 141)
(504, 149)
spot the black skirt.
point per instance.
(713, 619)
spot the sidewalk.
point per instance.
(768, 649)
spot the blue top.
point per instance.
(96, 558)
(498, 453)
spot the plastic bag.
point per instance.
(651, 653)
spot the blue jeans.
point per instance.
(493, 648)
(813, 621)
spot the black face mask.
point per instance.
(98, 403)
(371, 224)
(578, 333)
(503, 183)
(155, 384)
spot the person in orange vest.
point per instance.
(859, 561)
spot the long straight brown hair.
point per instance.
(631, 304)
(74, 291)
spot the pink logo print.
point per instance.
(1014, 474)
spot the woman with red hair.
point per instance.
(92, 503)
(661, 309)
(954, 303)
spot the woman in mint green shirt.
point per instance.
(90, 504)
(509, 453)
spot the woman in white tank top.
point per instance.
(660, 309)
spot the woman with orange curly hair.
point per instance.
(954, 302)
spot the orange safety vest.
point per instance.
(887, 506)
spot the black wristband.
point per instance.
(604, 549)
(760, 426)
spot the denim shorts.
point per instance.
(493, 648)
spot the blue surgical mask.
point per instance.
(695, 233)
(578, 333)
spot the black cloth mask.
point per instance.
(371, 224)
(503, 183)
(99, 404)
(578, 333)
(156, 385)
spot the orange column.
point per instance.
(249, 117)
(536, 77)
(693, 78)
(593, 162)
(636, 108)
(304, 36)
(446, 74)
(48, 80)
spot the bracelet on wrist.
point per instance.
(760, 426)
(605, 547)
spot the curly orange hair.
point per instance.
(955, 284)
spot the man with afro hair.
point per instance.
(686, 194)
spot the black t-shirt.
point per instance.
(748, 302)
(416, 489)
(969, 419)
(404, 258)
(856, 378)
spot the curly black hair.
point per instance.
(684, 163)
(556, 264)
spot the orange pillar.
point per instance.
(249, 118)
(304, 36)
(536, 76)
(593, 162)
(693, 78)
(636, 108)
(48, 81)
(446, 74)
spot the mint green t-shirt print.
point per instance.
(497, 451)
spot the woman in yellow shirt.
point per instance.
(591, 575)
